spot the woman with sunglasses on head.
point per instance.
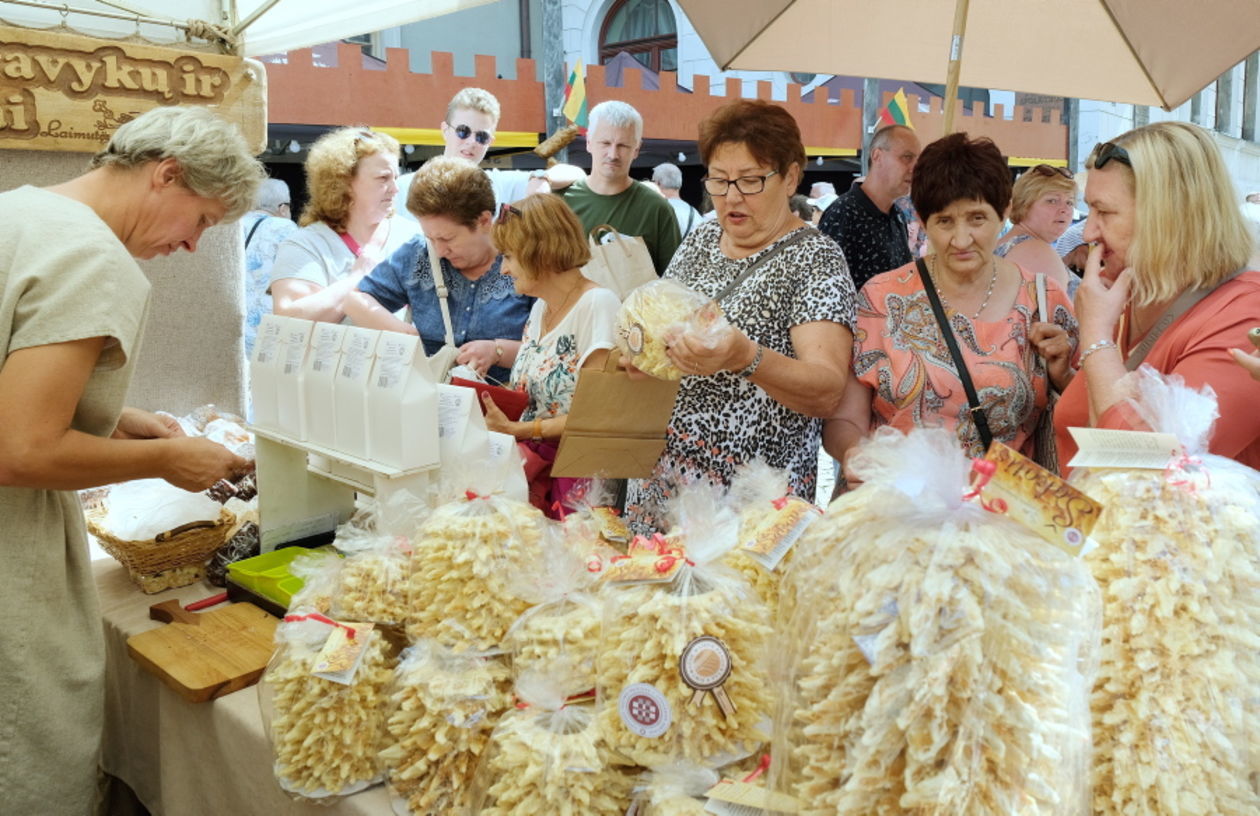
(785, 287)
(906, 375)
(570, 327)
(1170, 281)
(346, 225)
(1042, 203)
(454, 202)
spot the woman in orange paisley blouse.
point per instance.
(904, 373)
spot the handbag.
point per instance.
(1045, 448)
(973, 400)
(442, 360)
(621, 264)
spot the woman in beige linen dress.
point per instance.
(72, 311)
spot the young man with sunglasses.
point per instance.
(467, 132)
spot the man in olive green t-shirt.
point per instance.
(610, 196)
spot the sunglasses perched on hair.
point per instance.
(505, 210)
(1050, 172)
(483, 137)
(1106, 151)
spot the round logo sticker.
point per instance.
(634, 338)
(644, 710)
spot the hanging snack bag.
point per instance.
(1176, 707)
(656, 315)
(443, 708)
(940, 654)
(323, 696)
(682, 668)
(546, 757)
(474, 560)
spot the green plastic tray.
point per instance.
(268, 574)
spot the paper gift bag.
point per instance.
(618, 262)
(616, 425)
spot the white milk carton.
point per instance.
(402, 405)
(263, 365)
(290, 370)
(350, 390)
(322, 362)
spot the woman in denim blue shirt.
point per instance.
(454, 203)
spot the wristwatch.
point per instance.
(498, 351)
(538, 174)
(751, 368)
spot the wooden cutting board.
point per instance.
(209, 654)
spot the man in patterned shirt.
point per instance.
(864, 221)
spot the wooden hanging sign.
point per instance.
(67, 92)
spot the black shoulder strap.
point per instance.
(691, 219)
(743, 276)
(254, 229)
(973, 399)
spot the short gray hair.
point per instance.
(271, 194)
(214, 160)
(667, 176)
(616, 113)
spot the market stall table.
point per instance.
(185, 759)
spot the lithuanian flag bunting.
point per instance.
(575, 98)
(896, 112)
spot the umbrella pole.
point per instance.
(955, 63)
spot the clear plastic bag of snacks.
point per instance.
(656, 315)
(675, 789)
(771, 522)
(474, 561)
(443, 708)
(320, 571)
(683, 669)
(547, 757)
(559, 638)
(323, 699)
(940, 655)
(375, 576)
(1176, 707)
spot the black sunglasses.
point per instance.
(1049, 172)
(464, 131)
(505, 210)
(1106, 151)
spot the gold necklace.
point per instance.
(559, 310)
(987, 295)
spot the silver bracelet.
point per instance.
(1099, 346)
(751, 368)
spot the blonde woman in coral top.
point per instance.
(1167, 283)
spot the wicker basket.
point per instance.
(173, 559)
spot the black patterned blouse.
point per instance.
(873, 241)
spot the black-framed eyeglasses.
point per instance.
(505, 210)
(1106, 151)
(1049, 171)
(747, 185)
(483, 137)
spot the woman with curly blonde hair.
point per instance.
(347, 226)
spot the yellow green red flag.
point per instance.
(897, 111)
(575, 97)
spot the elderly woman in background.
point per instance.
(570, 327)
(346, 230)
(73, 304)
(1167, 283)
(264, 227)
(1041, 210)
(904, 373)
(454, 203)
(784, 286)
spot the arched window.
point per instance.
(645, 29)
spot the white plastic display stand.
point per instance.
(305, 489)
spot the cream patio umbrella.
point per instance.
(1143, 52)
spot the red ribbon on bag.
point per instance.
(315, 616)
(984, 470)
(1190, 466)
(780, 502)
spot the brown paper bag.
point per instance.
(622, 264)
(616, 425)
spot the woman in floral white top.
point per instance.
(569, 327)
